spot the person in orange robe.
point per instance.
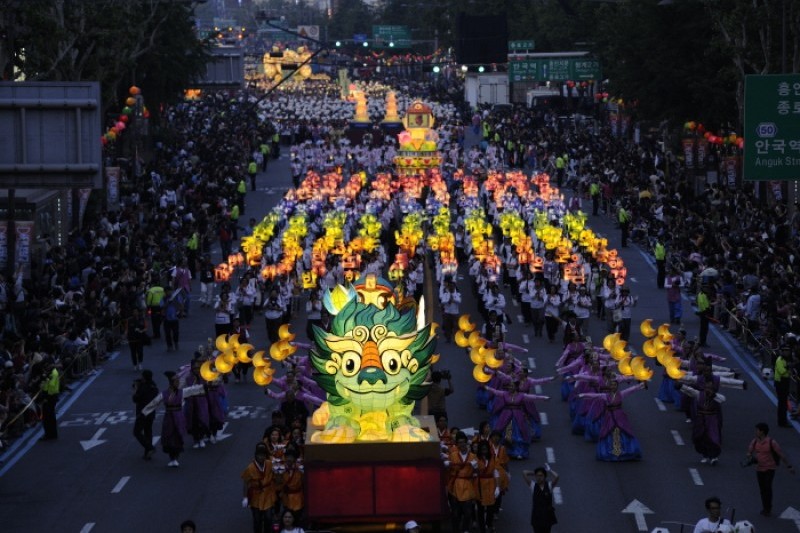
(260, 492)
(290, 484)
(462, 464)
(487, 487)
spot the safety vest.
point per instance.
(702, 302)
(192, 243)
(154, 296)
(52, 384)
(242, 187)
(623, 215)
(594, 189)
(560, 163)
(252, 168)
(264, 148)
(235, 213)
(276, 137)
(660, 252)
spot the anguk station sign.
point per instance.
(772, 127)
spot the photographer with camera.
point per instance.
(144, 391)
(437, 405)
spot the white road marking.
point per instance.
(543, 418)
(525, 338)
(531, 363)
(558, 499)
(638, 510)
(520, 319)
(677, 437)
(538, 389)
(120, 484)
(695, 476)
(87, 527)
(514, 302)
(660, 404)
(550, 454)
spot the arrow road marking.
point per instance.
(790, 513)
(221, 435)
(94, 441)
(695, 476)
(121, 483)
(638, 510)
(676, 436)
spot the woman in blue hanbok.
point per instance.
(616, 440)
(517, 418)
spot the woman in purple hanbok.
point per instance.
(616, 440)
(195, 409)
(517, 418)
(217, 398)
(707, 421)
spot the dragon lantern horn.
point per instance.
(421, 314)
(336, 298)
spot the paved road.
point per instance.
(93, 477)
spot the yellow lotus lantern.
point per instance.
(675, 372)
(465, 324)
(222, 364)
(618, 351)
(260, 377)
(624, 366)
(206, 373)
(609, 340)
(476, 356)
(648, 348)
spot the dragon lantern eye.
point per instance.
(351, 362)
(390, 360)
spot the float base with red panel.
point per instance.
(376, 483)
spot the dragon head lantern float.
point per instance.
(372, 363)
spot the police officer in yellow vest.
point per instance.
(561, 168)
(51, 387)
(704, 311)
(660, 254)
(252, 170)
(783, 382)
(624, 219)
(594, 193)
(264, 148)
(241, 192)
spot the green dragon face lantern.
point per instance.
(372, 364)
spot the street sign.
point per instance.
(771, 127)
(554, 69)
(400, 36)
(359, 38)
(520, 46)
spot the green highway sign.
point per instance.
(399, 36)
(520, 46)
(554, 69)
(771, 127)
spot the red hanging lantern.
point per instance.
(134, 90)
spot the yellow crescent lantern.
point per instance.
(624, 366)
(267, 370)
(663, 331)
(492, 362)
(672, 362)
(241, 353)
(476, 356)
(435, 358)
(261, 378)
(479, 375)
(618, 349)
(675, 373)
(663, 355)
(284, 334)
(475, 340)
(461, 340)
(648, 348)
(229, 356)
(464, 324)
(659, 344)
(222, 365)
(222, 343)
(609, 340)
(321, 415)
(258, 359)
(233, 341)
(206, 372)
(644, 374)
(637, 365)
(647, 329)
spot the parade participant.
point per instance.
(173, 426)
(450, 299)
(182, 283)
(494, 330)
(610, 297)
(482, 435)
(206, 282)
(259, 490)
(583, 308)
(543, 514)
(494, 300)
(516, 411)
(461, 465)
(275, 443)
(314, 310)
(274, 309)
(707, 421)
(196, 408)
(487, 486)
(136, 333)
(625, 302)
(217, 398)
(172, 312)
(246, 299)
(538, 300)
(188, 526)
(766, 454)
(239, 368)
(552, 311)
(442, 431)
(501, 461)
(144, 392)
(616, 440)
(223, 313)
(673, 285)
(289, 479)
(714, 523)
